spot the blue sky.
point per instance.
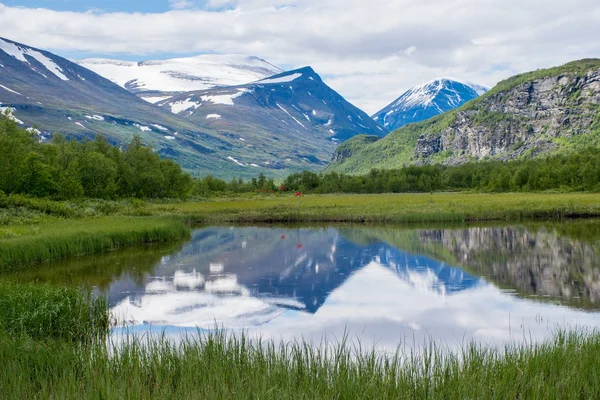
(153, 6)
(370, 52)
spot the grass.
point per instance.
(25, 245)
(52, 343)
(215, 366)
(51, 312)
(388, 208)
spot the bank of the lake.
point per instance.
(212, 367)
(53, 343)
(23, 245)
(386, 208)
(33, 231)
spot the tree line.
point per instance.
(68, 169)
(574, 171)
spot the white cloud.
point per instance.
(181, 4)
(410, 50)
(369, 52)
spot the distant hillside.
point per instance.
(276, 126)
(57, 95)
(427, 100)
(528, 115)
(291, 120)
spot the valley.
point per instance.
(180, 218)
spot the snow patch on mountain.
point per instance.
(281, 79)
(160, 127)
(235, 161)
(95, 117)
(290, 115)
(10, 90)
(225, 99)
(213, 116)
(142, 128)
(184, 105)
(10, 114)
(19, 53)
(155, 99)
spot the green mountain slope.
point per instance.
(528, 115)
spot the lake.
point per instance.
(496, 284)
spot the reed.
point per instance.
(33, 244)
(51, 312)
(216, 366)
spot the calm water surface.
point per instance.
(496, 284)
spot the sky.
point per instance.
(368, 51)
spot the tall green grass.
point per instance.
(221, 367)
(51, 312)
(33, 244)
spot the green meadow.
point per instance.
(385, 208)
(25, 245)
(53, 339)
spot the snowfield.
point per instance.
(182, 74)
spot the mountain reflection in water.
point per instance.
(387, 283)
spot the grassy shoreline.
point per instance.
(215, 366)
(38, 230)
(52, 339)
(25, 245)
(386, 208)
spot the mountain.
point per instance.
(159, 79)
(532, 114)
(275, 126)
(290, 120)
(56, 95)
(427, 100)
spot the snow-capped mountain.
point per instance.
(54, 94)
(292, 118)
(427, 100)
(158, 79)
(276, 126)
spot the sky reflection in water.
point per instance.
(385, 286)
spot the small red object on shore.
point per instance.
(298, 194)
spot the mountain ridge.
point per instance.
(277, 127)
(294, 112)
(427, 100)
(528, 115)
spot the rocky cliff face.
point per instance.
(532, 262)
(528, 115)
(527, 119)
